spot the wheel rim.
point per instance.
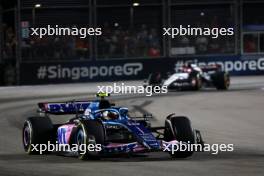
(26, 136)
(194, 82)
(227, 81)
(80, 137)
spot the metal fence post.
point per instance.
(1, 33)
(18, 36)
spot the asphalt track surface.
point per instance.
(235, 116)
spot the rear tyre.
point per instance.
(90, 133)
(179, 128)
(221, 80)
(36, 130)
(155, 79)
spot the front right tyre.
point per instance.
(90, 133)
(221, 80)
(179, 128)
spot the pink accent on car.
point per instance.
(114, 145)
(173, 142)
(139, 148)
(68, 128)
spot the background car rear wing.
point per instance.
(57, 108)
(211, 67)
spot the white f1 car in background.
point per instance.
(191, 77)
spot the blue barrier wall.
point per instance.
(110, 70)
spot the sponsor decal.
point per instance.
(229, 65)
(67, 107)
(76, 73)
(109, 70)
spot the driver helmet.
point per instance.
(110, 115)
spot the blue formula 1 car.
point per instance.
(109, 128)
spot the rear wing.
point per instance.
(62, 108)
(211, 67)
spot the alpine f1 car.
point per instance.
(100, 122)
(192, 77)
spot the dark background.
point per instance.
(132, 31)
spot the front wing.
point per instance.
(135, 147)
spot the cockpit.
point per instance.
(107, 114)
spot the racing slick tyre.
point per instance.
(155, 78)
(221, 80)
(179, 128)
(91, 135)
(36, 130)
